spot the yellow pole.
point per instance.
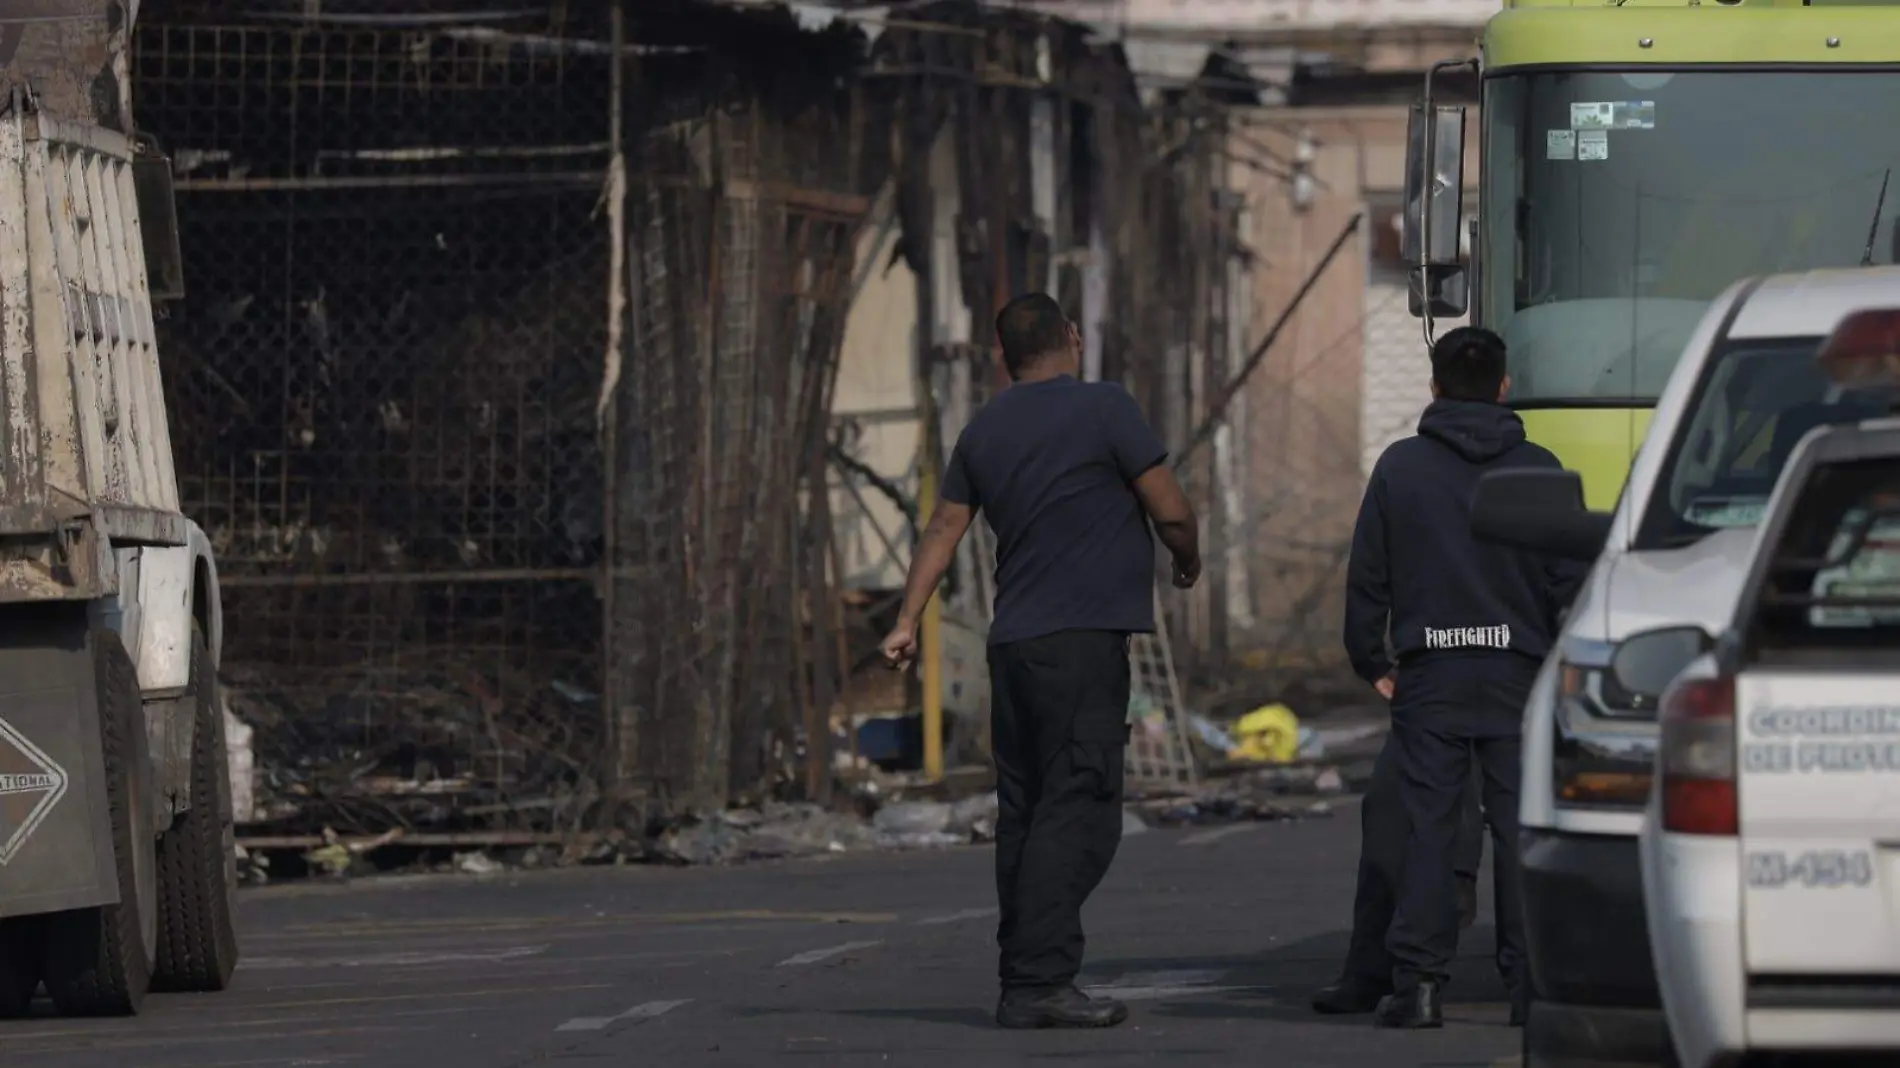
(932, 636)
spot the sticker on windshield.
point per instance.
(1726, 512)
(1593, 144)
(1613, 115)
(1560, 144)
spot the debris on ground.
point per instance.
(778, 830)
(477, 863)
(479, 783)
(424, 738)
(1221, 808)
(882, 815)
(1269, 734)
(1273, 734)
(253, 868)
(1283, 792)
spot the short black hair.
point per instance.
(1469, 364)
(1029, 327)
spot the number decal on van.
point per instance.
(1820, 869)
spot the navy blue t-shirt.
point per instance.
(1051, 466)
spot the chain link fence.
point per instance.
(396, 375)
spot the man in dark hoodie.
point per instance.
(1469, 625)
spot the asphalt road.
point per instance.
(1215, 937)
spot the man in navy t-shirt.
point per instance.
(1069, 475)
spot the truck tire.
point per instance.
(197, 862)
(98, 961)
(19, 968)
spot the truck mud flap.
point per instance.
(55, 830)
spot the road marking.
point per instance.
(228, 1022)
(280, 1063)
(1152, 986)
(815, 955)
(454, 995)
(957, 917)
(1218, 833)
(394, 960)
(498, 924)
(646, 1011)
(97, 1044)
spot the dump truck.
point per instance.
(117, 866)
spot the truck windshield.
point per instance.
(1618, 205)
(1754, 403)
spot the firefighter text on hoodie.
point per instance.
(1416, 571)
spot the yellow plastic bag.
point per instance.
(1269, 734)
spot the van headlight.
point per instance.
(1602, 751)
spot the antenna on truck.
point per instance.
(1873, 228)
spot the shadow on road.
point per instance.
(1269, 984)
(1276, 983)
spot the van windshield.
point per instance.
(1754, 403)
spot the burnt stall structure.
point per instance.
(1034, 157)
(437, 269)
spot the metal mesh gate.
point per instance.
(382, 385)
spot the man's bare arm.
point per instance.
(935, 549)
(1167, 506)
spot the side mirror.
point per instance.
(158, 221)
(1445, 288)
(1540, 510)
(1434, 209)
(1645, 664)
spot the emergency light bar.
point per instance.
(1863, 352)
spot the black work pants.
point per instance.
(1384, 828)
(1059, 729)
(1453, 717)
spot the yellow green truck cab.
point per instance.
(1635, 159)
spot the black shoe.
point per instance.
(1349, 996)
(1520, 1013)
(1413, 1010)
(1467, 902)
(1028, 1010)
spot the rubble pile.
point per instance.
(1274, 793)
(434, 739)
(776, 831)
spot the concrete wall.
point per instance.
(1305, 436)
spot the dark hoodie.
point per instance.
(1416, 565)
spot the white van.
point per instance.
(1672, 554)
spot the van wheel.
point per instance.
(197, 864)
(98, 961)
(19, 969)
